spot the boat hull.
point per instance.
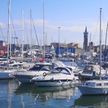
(93, 91)
(54, 83)
(24, 78)
(6, 75)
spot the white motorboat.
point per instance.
(60, 76)
(94, 87)
(72, 66)
(7, 74)
(91, 72)
(38, 69)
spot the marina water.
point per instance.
(13, 95)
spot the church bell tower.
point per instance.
(85, 43)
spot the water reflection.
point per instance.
(92, 102)
(45, 93)
(13, 95)
(6, 93)
(47, 97)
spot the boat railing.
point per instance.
(9, 67)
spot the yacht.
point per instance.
(60, 76)
(7, 70)
(6, 74)
(72, 66)
(94, 87)
(91, 72)
(25, 76)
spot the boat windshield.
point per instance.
(61, 70)
(40, 68)
(106, 84)
(88, 68)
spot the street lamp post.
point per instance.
(59, 28)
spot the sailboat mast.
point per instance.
(43, 32)
(9, 30)
(100, 60)
(22, 34)
(30, 29)
(106, 41)
(35, 32)
(10, 27)
(106, 35)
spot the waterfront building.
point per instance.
(91, 45)
(65, 49)
(3, 48)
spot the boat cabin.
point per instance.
(41, 66)
(95, 83)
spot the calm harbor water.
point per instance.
(13, 95)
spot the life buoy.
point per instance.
(44, 74)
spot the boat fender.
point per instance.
(59, 81)
(12, 74)
(44, 74)
(52, 78)
(73, 79)
(35, 75)
(105, 92)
